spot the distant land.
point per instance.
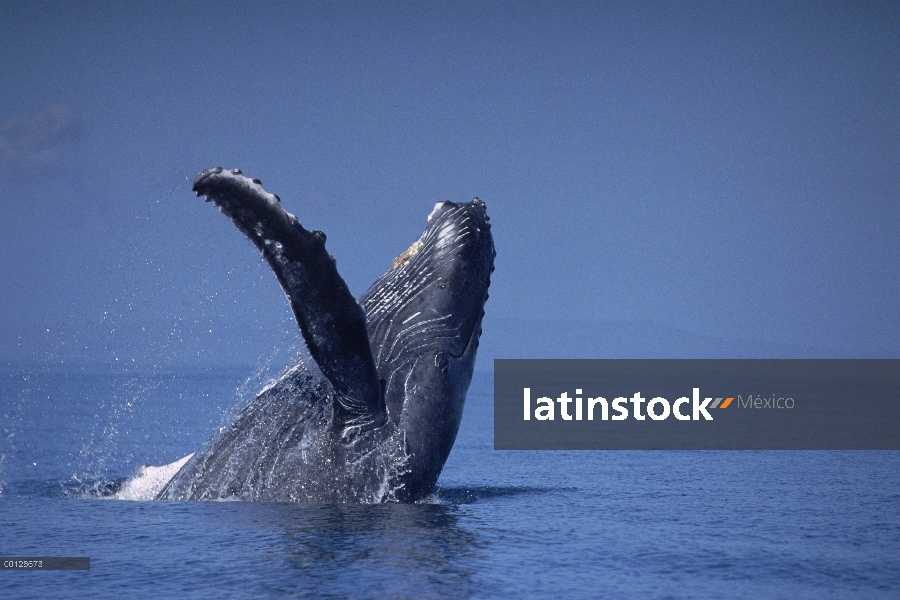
(556, 338)
(157, 346)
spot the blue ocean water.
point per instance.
(502, 524)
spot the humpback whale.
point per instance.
(373, 416)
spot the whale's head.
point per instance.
(433, 296)
(424, 321)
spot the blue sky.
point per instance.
(729, 171)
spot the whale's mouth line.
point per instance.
(474, 336)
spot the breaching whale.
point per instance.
(373, 416)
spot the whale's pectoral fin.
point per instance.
(331, 320)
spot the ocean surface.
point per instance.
(501, 524)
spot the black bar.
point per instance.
(45, 563)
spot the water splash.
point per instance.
(149, 481)
(280, 447)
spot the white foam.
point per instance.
(434, 210)
(149, 481)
